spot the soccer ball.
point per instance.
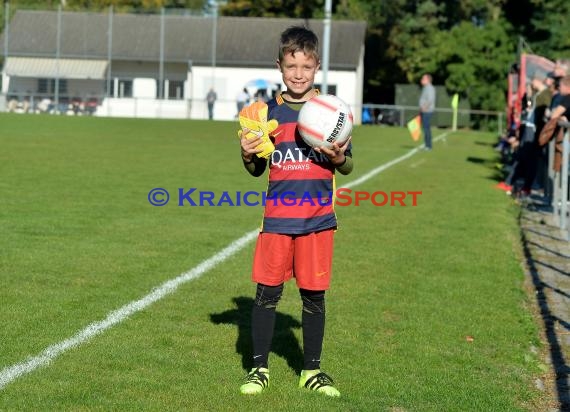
(323, 120)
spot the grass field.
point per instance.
(79, 239)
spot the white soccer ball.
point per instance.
(323, 120)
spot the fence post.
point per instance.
(564, 181)
(549, 192)
(499, 123)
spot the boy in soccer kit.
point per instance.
(296, 239)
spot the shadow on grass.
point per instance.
(480, 143)
(555, 289)
(491, 164)
(553, 252)
(545, 235)
(285, 343)
(561, 369)
(551, 267)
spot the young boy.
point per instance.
(296, 238)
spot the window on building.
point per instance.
(47, 86)
(43, 86)
(172, 89)
(176, 90)
(124, 88)
(62, 86)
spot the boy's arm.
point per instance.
(249, 148)
(254, 165)
(339, 156)
(346, 167)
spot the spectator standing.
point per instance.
(211, 98)
(427, 106)
(539, 171)
(242, 99)
(529, 155)
(564, 104)
(553, 83)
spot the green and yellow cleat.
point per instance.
(318, 381)
(255, 382)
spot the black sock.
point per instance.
(313, 319)
(263, 322)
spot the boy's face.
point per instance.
(298, 71)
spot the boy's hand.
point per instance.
(335, 153)
(249, 146)
(255, 127)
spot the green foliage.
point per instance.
(372, 12)
(413, 38)
(477, 11)
(472, 61)
(136, 5)
(552, 28)
(271, 8)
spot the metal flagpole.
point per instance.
(109, 50)
(214, 40)
(57, 54)
(6, 29)
(326, 46)
(4, 88)
(161, 64)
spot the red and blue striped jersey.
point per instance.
(300, 193)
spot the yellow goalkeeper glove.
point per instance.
(254, 118)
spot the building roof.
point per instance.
(52, 68)
(241, 41)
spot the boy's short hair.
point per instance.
(299, 39)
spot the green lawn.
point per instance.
(79, 239)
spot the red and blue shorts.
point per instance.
(307, 257)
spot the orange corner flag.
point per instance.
(415, 128)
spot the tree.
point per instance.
(271, 8)
(551, 28)
(411, 41)
(137, 5)
(474, 60)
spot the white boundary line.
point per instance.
(391, 163)
(11, 373)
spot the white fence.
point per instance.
(560, 180)
(396, 115)
(117, 107)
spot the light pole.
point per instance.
(214, 40)
(326, 46)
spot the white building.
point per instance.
(160, 65)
